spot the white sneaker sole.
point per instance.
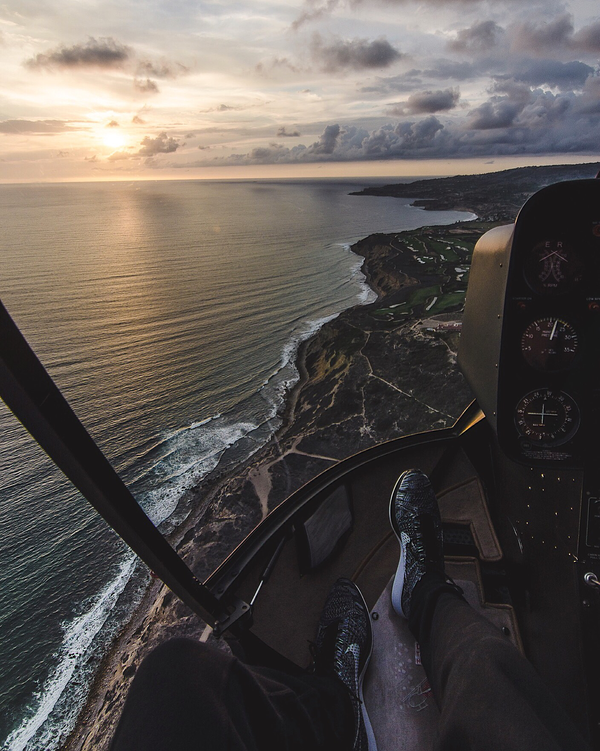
(368, 727)
(398, 585)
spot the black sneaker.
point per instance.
(415, 518)
(343, 647)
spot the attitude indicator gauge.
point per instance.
(547, 417)
(553, 267)
(549, 344)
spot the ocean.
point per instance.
(169, 313)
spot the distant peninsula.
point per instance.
(494, 196)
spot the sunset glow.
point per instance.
(304, 87)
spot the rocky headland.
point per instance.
(494, 196)
(374, 373)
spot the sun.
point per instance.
(113, 139)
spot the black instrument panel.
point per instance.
(549, 366)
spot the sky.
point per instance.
(151, 89)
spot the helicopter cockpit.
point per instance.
(516, 477)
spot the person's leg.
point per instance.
(490, 697)
(188, 695)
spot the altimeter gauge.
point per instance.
(547, 417)
(553, 267)
(549, 344)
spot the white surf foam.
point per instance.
(39, 731)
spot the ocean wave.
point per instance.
(53, 710)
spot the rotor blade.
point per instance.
(37, 402)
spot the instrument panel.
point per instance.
(549, 367)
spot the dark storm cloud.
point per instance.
(515, 120)
(564, 76)
(550, 35)
(494, 115)
(105, 52)
(327, 142)
(587, 39)
(33, 127)
(162, 144)
(482, 36)
(353, 54)
(428, 102)
(555, 35)
(284, 133)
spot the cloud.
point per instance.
(283, 133)
(118, 155)
(414, 79)
(264, 68)
(515, 120)
(587, 39)
(327, 142)
(137, 120)
(162, 144)
(105, 52)
(564, 76)
(163, 69)
(428, 102)
(493, 115)
(555, 35)
(35, 127)
(315, 10)
(481, 37)
(146, 87)
(528, 37)
(112, 124)
(353, 54)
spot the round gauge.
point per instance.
(547, 417)
(553, 267)
(549, 344)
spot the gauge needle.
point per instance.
(553, 330)
(543, 414)
(554, 253)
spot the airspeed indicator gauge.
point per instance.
(549, 344)
(547, 417)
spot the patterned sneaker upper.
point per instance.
(343, 647)
(415, 518)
